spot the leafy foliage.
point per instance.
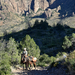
(5, 65)
(32, 48)
(67, 43)
(71, 58)
(8, 55)
(45, 59)
(70, 63)
(12, 50)
(4, 59)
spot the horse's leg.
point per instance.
(34, 64)
(31, 65)
(23, 66)
(26, 65)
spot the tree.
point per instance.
(12, 50)
(2, 47)
(32, 48)
(67, 43)
(36, 23)
(5, 65)
(73, 35)
(43, 24)
(4, 59)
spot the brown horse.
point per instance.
(28, 60)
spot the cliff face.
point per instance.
(26, 6)
(20, 6)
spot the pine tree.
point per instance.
(5, 64)
(32, 47)
(12, 50)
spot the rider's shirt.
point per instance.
(25, 52)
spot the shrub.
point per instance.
(71, 57)
(45, 59)
(70, 63)
(73, 35)
(67, 43)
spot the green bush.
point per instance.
(45, 59)
(71, 58)
(67, 43)
(70, 63)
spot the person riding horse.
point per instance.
(25, 54)
(25, 59)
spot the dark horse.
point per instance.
(28, 60)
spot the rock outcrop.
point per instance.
(43, 4)
(23, 6)
(27, 6)
(18, 6)
(48, 13)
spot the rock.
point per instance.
(58, 8)
(51, 1)
(48, 13)
(43, 4)
(21, 6)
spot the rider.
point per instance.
(25, 52)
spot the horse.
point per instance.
(28, 60)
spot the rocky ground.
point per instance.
(39, 71)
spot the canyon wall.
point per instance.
(21, 6)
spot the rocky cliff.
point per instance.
(26, 6)
(20, 6)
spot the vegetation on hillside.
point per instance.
(50, 45)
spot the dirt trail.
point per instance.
(39, 71)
